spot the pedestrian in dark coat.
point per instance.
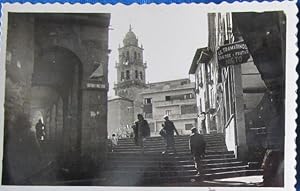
(40, 132)
(141, 130)
(22, 153)
(169, 129)
(197, 147)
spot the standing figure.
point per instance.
(23, 155)
(169, 128)
(197, 147)
(141, 131)
(114, 142)
(203, 125)
(40, 132)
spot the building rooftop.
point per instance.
(170, 85)
(113, 98)
(202, 55)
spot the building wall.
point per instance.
(236, 90)
(253, 86)
(175, 109)
(29, 38)
(120, 115)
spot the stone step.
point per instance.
(185, 136)
(164, 158)
(172, 163)
(179, 137)
(171, 172)
(158, 181)
(162, 144)
(159, 150)
(131, 140)
(157, 166)
(184, 152)
(155, 181)
(182, 147)
(230, 174)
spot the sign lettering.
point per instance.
(233, 54)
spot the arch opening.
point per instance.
(56, 99)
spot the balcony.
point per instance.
(174, 117)
(174, 102)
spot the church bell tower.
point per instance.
(131, 69)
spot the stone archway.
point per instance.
(56, 93)
(60, 66)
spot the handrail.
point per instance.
(229, 120)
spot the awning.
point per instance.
(202, 55)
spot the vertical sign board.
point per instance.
(233, 54)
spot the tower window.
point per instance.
(141, 75)
(136, 74)
(139, 55)
(127, 74)
(127, 55)
(122, 76)
(135, 56)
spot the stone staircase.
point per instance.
(128, 166)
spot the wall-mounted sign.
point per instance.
(233, 54)
(97, 86)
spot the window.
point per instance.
(209, 73)
(136, 75)
(127, 56)
(135, 56)
(139, 55)
(148, 100)
(188, 127)
(168, 98)
(183, 83)
(199, 77)
(127, 74)
(188, 109)
(168, 112)
(147, 109)
(122, 76)
(141, 75)
(188, 96)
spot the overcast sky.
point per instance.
(170, 37)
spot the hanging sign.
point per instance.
(233, 54)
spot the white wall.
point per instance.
(230, 139)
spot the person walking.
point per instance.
(197, 147)
(141, 131)
(169, 128)
(40, 132)
(114, 142)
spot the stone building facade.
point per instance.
(58, 64)
(174, 98)
(120, 115)
(235, 99)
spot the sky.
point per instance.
(170, 37)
